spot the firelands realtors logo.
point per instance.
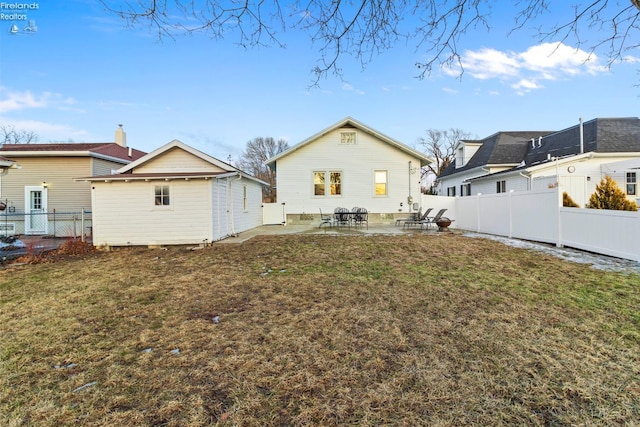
(18, 14)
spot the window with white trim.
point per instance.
(501, 186)
(161, 195)
(348, 137)
(327, 183)
(244, 198)
(465, 189)
(380, 181)
(631, 184)
(451, 191)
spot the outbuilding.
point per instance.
(175, 195)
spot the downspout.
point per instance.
(528, 180)
(410, 199)
(233, 231)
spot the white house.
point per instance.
(474, 158)
(576, 158)
(173, 195)
(346, 165)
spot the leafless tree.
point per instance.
(440, 146)
(362, 29)
(253, 159)
(11, 135)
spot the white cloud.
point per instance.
(349, 88)
(525, 85)
(449, 90)
(15, 100)
(524, 71)
(47, 131)
(490, 63)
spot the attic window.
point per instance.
(347, 137)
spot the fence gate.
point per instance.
(274, 214)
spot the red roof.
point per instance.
(110, 149)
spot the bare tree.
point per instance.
(440, 146)
(364, 28)
(10, 135)
(253, 159)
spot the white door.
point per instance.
(35, 209)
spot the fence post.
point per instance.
(559, 215)
(478, 212)
(82, 225)
(510, 214)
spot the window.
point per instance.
(347, 137)
(451, 191)
(244, 198)
(161, 195)
(631, 183)
(318, 183)
(380, 180)
(327, 183)
(336, 183)
(501, 186)
(465, 189)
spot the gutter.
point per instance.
(18, 154)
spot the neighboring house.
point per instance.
(576, 158)
(40, 192)
(348, 165)
(173, 195)
(473, 158)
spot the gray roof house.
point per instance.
(473, 158)
(573, 158)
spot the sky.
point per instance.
(74, 71)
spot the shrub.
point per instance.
(609, 196)
(568, 202)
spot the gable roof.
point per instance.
(126, 173)
(501, 148)
(350, 122)
(106, 151)
(177, 144)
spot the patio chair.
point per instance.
(413, 217)
(419, 220)
(361, 217)
(325, 220)
(433, 220)
(341, 217)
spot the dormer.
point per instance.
(464, 151)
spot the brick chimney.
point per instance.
(121, 136)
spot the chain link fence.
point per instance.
(55, 224)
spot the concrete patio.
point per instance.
(388, 229)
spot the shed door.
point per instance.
(35, 210)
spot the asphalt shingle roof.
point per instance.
(110, 149)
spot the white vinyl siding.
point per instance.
(65, 194)
(356, 162)
(177, 160)
(103, 167)
(123, 213)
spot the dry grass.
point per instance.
(320, 330)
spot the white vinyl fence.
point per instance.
(539, 216)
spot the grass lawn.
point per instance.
(319, 330)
